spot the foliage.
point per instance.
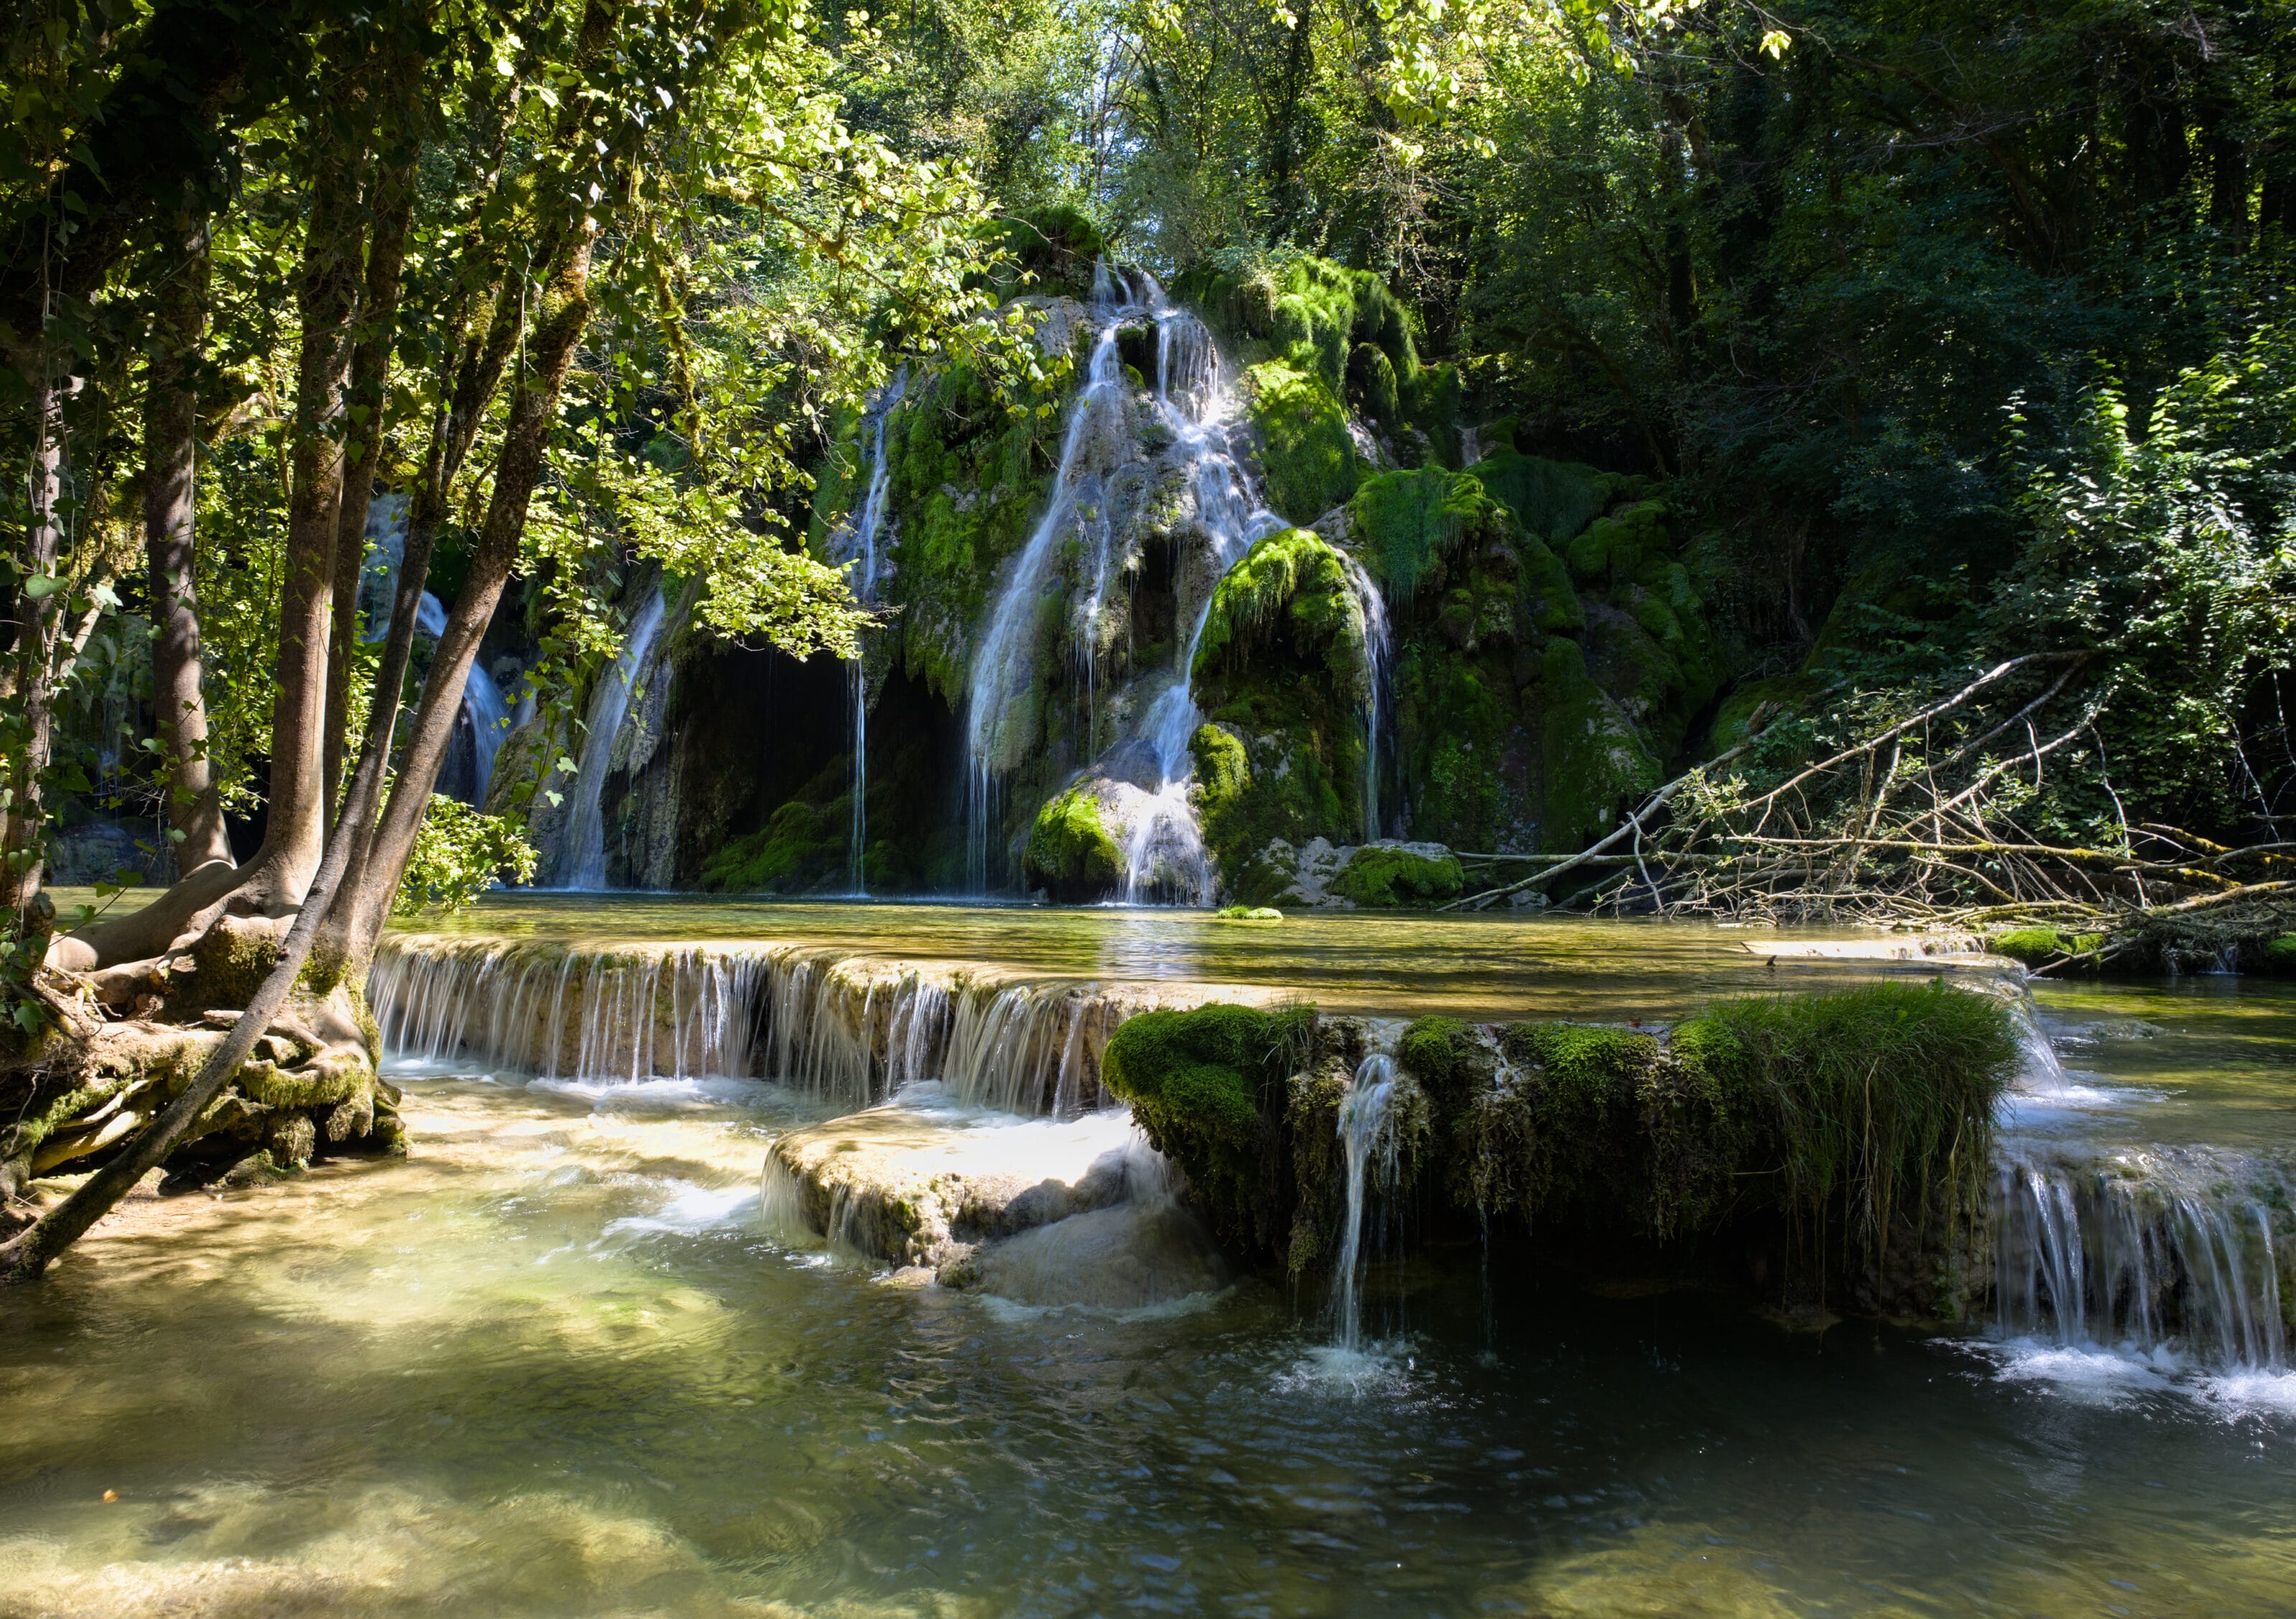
(459, 853)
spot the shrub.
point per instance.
(459, 853)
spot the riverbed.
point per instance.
(557, 1364)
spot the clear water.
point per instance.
(555, 1364)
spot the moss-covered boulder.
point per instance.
(1308, 458)
(1071, 853)
(2040, 946)
(1386, 875)
(1854, 1122)
(1207, 1087)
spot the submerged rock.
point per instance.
(1041, 1212)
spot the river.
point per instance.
(556, 1363)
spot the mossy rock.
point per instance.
(1383, 876)
(1247, 913)
(800, 846)
(2280, 954)
(1207, 1087)
(1555, 500)
(1307, 459)
(1779, 694)
(1592, 759)
(1056, 249)
(1070, 854)
(1863, 1116)
(1292, 585)
(2040, 946)
(1406, 524)
(1613, 550)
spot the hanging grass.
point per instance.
(1861, 1116)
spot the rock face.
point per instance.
(1458, 643)
(1040, 1212)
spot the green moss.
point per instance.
(1780, 694)
(2280, 953)
(1309, 460)
(1290, 586)
(1861, 1117)
(1208, 1088)
(1407, 523)
(1372, 386)
(1054, 249)
(1069, 851)
(798, 845)
(1552, 499)
(1247, 913)
(1383, 876)
(1592, 760)
(1613, 550)
(2039, 946)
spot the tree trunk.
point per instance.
(170, 461)
(563, 312)
(327, 300)
(393, 204)
(38, 618)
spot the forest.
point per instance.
(1828, 461)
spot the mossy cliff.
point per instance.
(1284, 678)
(1832, 1145)
(1550, 655)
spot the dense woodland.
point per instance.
(1869, 421)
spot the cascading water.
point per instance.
(2185, 1249)
(1164, 853)
(1379, 644)
(488, 718)
(1098, 437)
(867, 528)
(1367, 1143)
(583, 862)
(849, 1030)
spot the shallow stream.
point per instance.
(557, 1362)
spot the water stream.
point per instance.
(563, 1360)
(867, 530)
(583, 855)
(1195, 414)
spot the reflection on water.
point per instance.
(555, 1364)
(1474, 966)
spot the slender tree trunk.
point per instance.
(170, 461)
(327, 300)
(370, 375)
(39, 618)
(563, 314)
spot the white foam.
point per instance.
(692, 1208)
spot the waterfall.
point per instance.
(848, 1030)
(1367, 1141)
(1378, 651)
(1003, 667)
(487, 717)
(1164, 851)
(867, 528)
(582, 858)
(2180, 1248)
